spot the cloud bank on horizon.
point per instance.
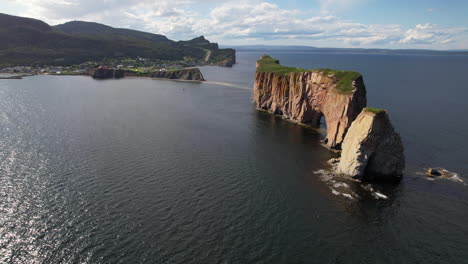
(330, 23)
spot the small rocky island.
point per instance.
(191, 74)
(370, 148)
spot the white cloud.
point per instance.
(244, 22)
(430, 34)
(337, 6)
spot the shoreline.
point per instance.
(16, 77)
(21, 76)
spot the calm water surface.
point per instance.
(147, 171)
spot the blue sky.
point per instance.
(429, 24)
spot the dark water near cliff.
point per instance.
(146, 171)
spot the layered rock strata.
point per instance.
(305, 96)
(372, 150)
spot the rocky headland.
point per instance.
(192, 74)
(106, 73)
(370, 148)
(229, 61)
(27, 41)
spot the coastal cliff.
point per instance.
(106, 73)
(226, 58)
(192, 74)
(372, 150)
(228, 62)
(305, 96)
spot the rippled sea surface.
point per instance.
(149, 171)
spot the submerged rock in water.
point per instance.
(442, 173)
(433, 173)
(372, 150)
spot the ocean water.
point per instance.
(151, 171)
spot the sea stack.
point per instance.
(305, 96)
(371, 149)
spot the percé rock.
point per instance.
(305, 96)
(106, 73)
(192, 74)
(371, 149)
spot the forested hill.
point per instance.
(81, 27)
(26, 41)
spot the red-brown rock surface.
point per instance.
(372, 150)
(306, 96)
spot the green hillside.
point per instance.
(26, 41)
(86, 28)
(200, 42)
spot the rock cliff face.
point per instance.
(229, 61)
(105, 73)
(305, 96)
(193, 74)
(372, 150)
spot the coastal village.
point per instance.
(138, 65)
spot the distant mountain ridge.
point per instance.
(200, 42)
(82, 27)
(27, 41)
(286, 48)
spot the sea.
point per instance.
(141, 170)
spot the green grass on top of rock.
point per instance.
(269, 64)
(374, 110)
(344, 78)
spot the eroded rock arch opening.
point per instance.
(322, 126)
(323, 122)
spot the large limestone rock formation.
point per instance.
(372, 150)
(305, 96)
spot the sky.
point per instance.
(396, 24)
